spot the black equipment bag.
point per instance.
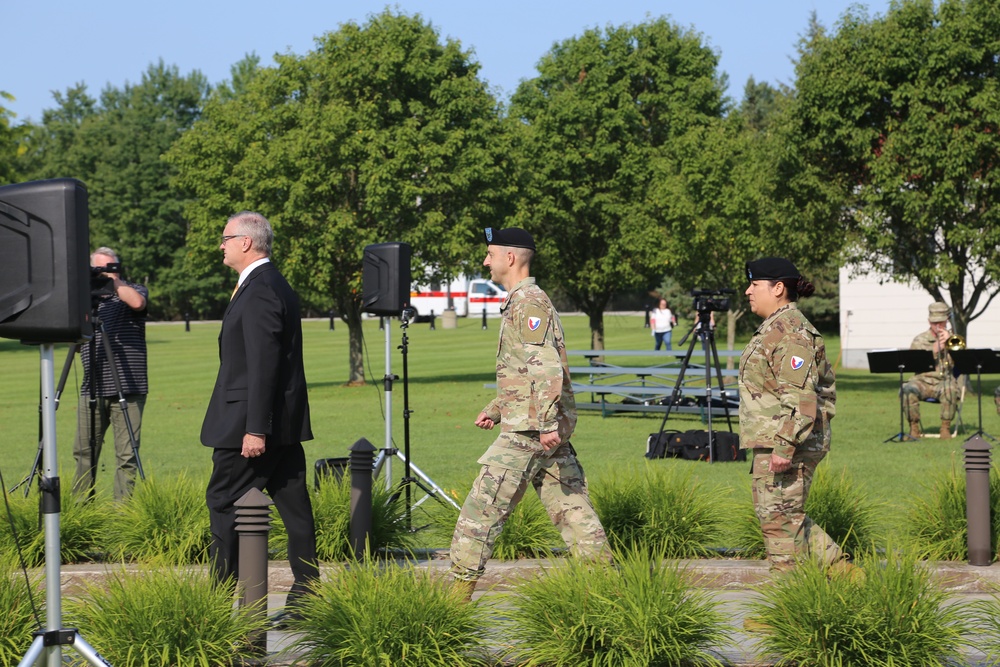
(334, 467)
(665, 444)
(693, 446)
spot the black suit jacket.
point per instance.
(261, 386)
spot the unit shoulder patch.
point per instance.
(534, 324)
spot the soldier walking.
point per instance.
(787, 398)
(536, 411)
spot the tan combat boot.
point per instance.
(465, 589)
(847, 570)
(915, 430)
(946, 429)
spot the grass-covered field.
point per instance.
(447, 370)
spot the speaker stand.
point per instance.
(49, 642)
(385, 456)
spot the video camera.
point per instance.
(709, 300)
(100, 284)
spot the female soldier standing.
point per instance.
(787, 396)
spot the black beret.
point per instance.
(771, 268)
(512, 237)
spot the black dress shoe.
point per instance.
(284, 618)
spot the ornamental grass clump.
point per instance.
(331, 504)
(528, 532)
(164, 521)
(640, 611)
(18, 621)
(81, 527)
(936, 520)
(986, 615)
(839, 506)
(164, 616)
(893, 615)
(372, 615)
(663, 510)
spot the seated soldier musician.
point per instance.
(939, 384)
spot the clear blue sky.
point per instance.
(50, 45)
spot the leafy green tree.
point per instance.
(604, 108)
(9, 142)
(115, 147)
(382, 133)
(731, 191)
(901, 115)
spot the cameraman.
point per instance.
(121, 308)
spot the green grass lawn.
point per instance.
(447, 371)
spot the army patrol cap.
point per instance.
(938, 312)
(771, 268)
(511, 237)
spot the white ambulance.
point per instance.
(469, 296)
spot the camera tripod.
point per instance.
(702, 331)
(98, 326)
(384, 458)
(51, 640)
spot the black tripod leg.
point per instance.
(122, 403)
(37, 465)
(675, 395)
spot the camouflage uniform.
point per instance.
(534, 395)
(996, 398)
(787, 397)
(939, 383)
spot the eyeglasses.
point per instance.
(226, 239)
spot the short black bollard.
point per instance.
(484, 317)
(331, 319)
(187, 321)
(646, 325)
(432, 320)
(977, 499)
(362, 464)
(253, 522)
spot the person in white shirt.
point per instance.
(661, 321)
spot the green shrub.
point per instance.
(331, 505)
(664, 510)
(18, 622)
(528, 531)
(166, 616)
(165, 521)
(838, 505)
(894, 615)
(640, 611)
(937, 522)
(986, 615)
(367, 615)
(81, 525)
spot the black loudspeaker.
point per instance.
(385, 278)
(45, 262)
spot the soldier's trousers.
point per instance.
(779, 501)
(916, 390)
(559, 481)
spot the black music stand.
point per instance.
(893, 361)
(978, 361)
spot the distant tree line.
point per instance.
(622, 155)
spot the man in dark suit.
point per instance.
(258, 416)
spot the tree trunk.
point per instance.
(733, 317)
(355, 348)
(596, 329)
